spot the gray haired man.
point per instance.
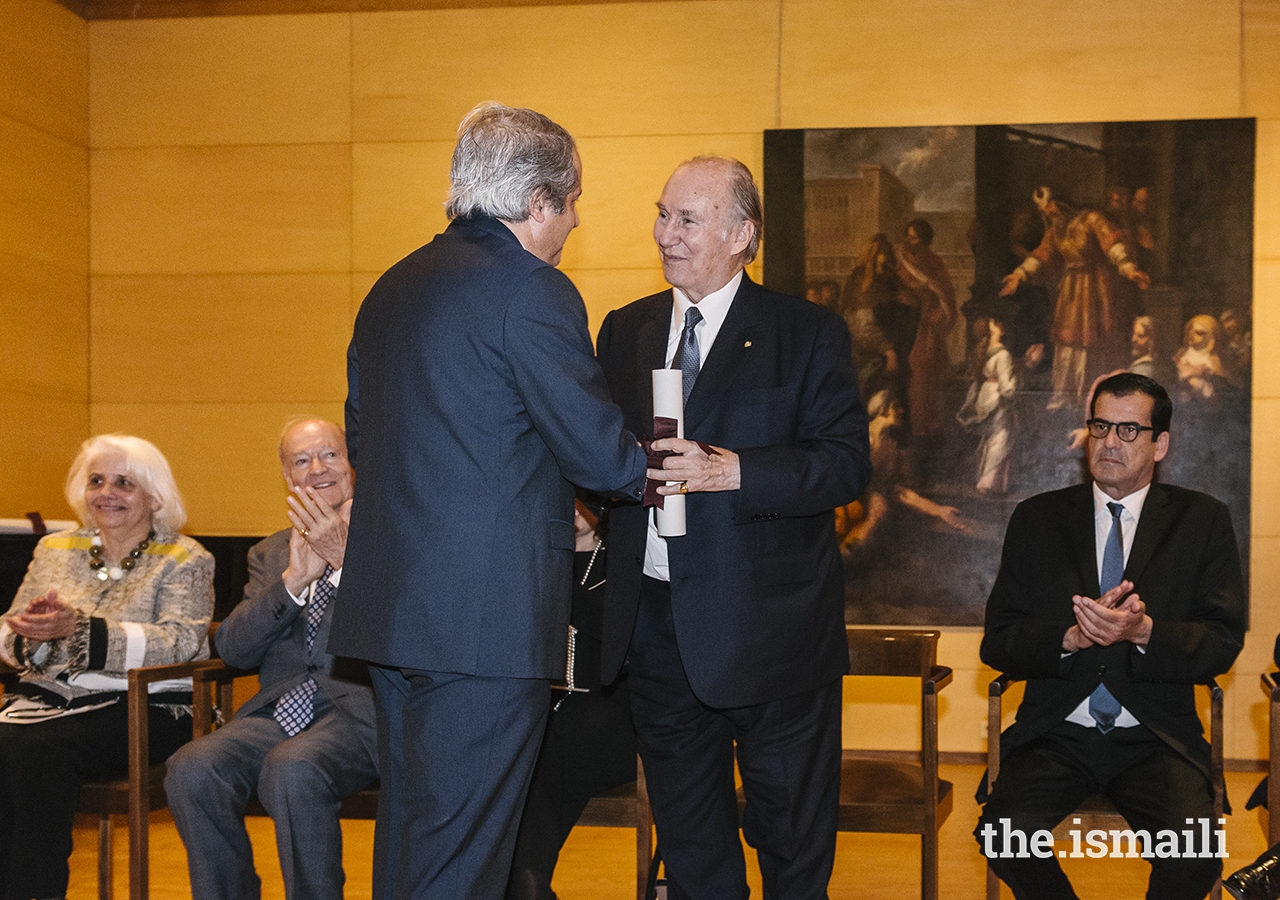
(474, 405)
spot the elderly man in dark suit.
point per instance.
(734, 632)
(1112, 600)
(306, 740)
(475, 404)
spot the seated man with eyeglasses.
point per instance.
(1112, 600)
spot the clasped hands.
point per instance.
(45, 618)
(694, 469)
(1118, 615)
(319, 536)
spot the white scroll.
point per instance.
(668, 401)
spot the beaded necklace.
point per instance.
(115, 573)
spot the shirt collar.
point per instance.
(714, 307)
(1133, 503)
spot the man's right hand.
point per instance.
(305, 564)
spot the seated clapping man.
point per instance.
(306, 740)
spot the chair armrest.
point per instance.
(939, 677)
(995, 718)
(1269, 685)
(215, 679)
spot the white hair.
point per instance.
(143, 462)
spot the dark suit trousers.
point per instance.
(788, 753)
(455, 755)
(1151, 785)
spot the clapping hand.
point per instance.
(46, 618)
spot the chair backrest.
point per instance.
(892, 651)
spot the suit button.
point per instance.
(1102, 669)
(313, 668)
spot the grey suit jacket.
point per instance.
(267, 631)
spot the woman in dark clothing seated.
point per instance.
(590, 743)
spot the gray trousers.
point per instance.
(301, 782)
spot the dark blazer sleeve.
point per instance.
(560, 382)
(1199, 639)
(267, 612)
(828, 464)
(1026, 618)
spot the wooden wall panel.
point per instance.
(213, 210)
(1266, 206)
(619, 69)
(398, 196)
(1261, 50)
(220, 338)
(44, 335)
(44, 251)
(223, 455)
(41, 437)
(265, 80)
(44, 192)
(44, 68)
(1266, 322)
(888, 62)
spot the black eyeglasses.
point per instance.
(1126, 431)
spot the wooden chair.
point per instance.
(899, 791)
(626, 806)
(138, 793)
(1271, 823)
(1097, 811)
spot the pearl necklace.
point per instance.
(115, 573)
(591, 562)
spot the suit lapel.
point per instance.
(731, 349)
(651, 344)
(1083, 537)
(1151, 527)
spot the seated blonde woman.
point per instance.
(125, 590)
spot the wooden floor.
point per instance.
(597, 862)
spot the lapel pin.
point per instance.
(747, 344)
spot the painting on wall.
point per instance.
(990, 276)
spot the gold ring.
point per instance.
(305, 532)
(684, 487)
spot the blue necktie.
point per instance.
(295, 709)
(688, 358)
(1102, 705)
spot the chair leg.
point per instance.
(106, 857)
(929, 864)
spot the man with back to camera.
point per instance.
(305, 741)
(474, 401)
(1108, 706)
(734, 632)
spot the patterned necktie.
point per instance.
(688, 358)
(1102, 705)
(295, 710)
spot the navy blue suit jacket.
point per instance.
(474, 404)
(757, 586)
(1185, 567)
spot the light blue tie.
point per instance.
(688, 358)
(1102, 705)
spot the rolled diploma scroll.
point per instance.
(668, 401)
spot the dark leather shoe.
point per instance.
(1260, 880)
